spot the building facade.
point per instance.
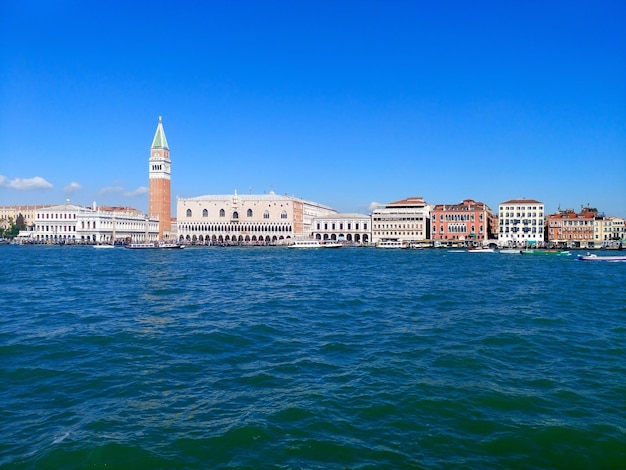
(609, 232)
(160, 175)
(572, 230)
(469, 222)
(263, 219)
(346, 228)
(73, 224)
(406, 221)
(521, 223)
(29, 213)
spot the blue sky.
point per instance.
(342, 102)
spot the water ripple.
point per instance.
(349, 358)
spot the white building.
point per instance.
(245, 219)
(609, 232)
(70, 223)
(349, 228)
(406, 221)
(521, 222)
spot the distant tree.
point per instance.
(19, 222)
(13, 230)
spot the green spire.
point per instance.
(160, 142)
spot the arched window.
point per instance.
(205, 213)
(235, 215)
(249, 214)
(222, 213)
(188, 212)
(266, 215)
(283, 215)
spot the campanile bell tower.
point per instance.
(160, 181)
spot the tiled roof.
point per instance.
(254, 197)
(412, 200)
(522, 201)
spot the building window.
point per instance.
(235, 215)
(222, 213)
(249, 213)
(283, 215)
(205, 213)
(266, 215)
(188, 212)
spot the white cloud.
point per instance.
(375, 205)
(25, 184)
(140, 191)
(72, 188)
(111, 190)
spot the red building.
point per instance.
(567, 228)
(468, 221)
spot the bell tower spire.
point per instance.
(160, 181)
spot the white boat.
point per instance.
(154, 246)
(589, 257)
(418, 245)
(169, 246)
(103, 245)
(480, 250)
(305, 244)
(389, 244)
(331, 245)
(509, 251)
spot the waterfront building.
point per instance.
(521, 223)
(348, 228)
(572, 230)
(609, 232)
(246, 219)
(469, 222)
(160, 174)
(406, 221)
(29, 214)
(70, 223)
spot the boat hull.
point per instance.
(601, 258)
(305, 244)
(154, 246)
(545, 252)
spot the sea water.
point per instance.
(279, 358)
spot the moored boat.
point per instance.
(104, 245)
(154, 246)
(304, 244)
(480, 250)
(389, 244)
(331, 245)
(545, 252)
